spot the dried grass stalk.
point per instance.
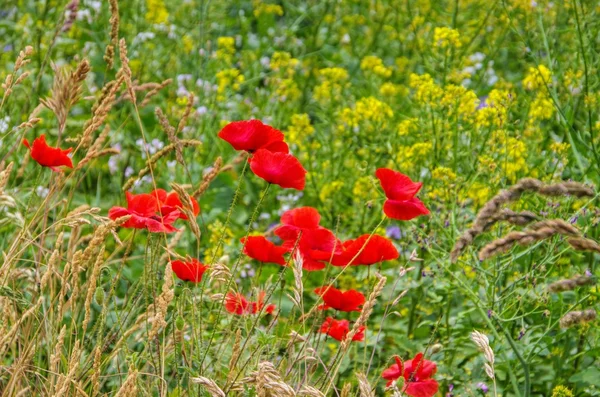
(209, 177)
(155, 90)
(235, 352)
(92, 285)
(310, 391)
(483, 344)
(269, 383)
(584, 244)
(154, 159)
(210, 386)
(364, 386)
(161, 305)
(577, 317)
(66, 91)
(100, 110)
(488, 215)
(365, 312)
(125, 71)
(186, 114)
(129, 387)
(171, 134)
(570, 284)
(4, 175)
(540, 231)
(65, 382)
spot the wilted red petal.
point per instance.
(189, 271)
(281, 169)
(263, 250)
(51, 157)
(252, 135)
(396, 185)
(236, 303)
(404, 210)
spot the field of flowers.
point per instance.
(287, 198)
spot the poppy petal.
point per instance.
(396, 185)
(251, 135)
(281, 169)
(404, 210)
(425, 388)
(263, 250)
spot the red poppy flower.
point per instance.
(236, 303)
(279, 168)
(315, 240)
(46, 156)
(315, 246)
(296, 220)
(417, 374)
(143, 209)
(400, 191)
(191, 270)
(263, 250)
(365, 250)
(349, 301)
(170, 202)
(251, 135)
(338, 329)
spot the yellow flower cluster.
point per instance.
(443, 174)
(496, 108)
(220, 237)
(367, 109)
(390, 89)
(541, 108)
(363, 188)
(261, 8)
(445, 178)
(561, 391)
(283, 61)
(330, 190)
(479, 193)
(511, 154)
(228, 78)
(333, 80)
(446, 38)
(572, 79)
(537, 78)
(426, 90)
(460, 100)
(375, 65)
(407, 126)
(299, 129)
(225, 49)
(156, 11)
(287, 90)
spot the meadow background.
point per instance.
(466, 96)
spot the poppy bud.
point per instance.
(99, 296)
(179, 323)
(436, 348)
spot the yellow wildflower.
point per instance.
(157, 12)
(537, 77)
